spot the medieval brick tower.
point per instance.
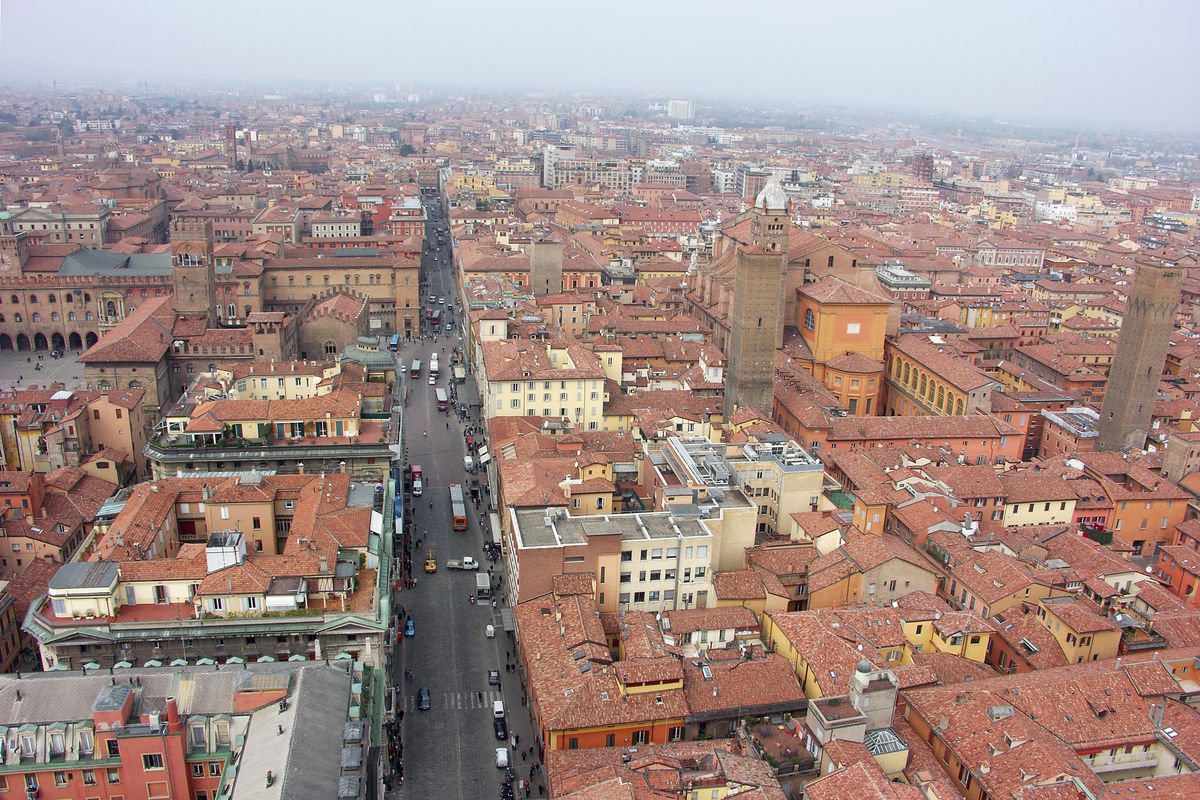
(1141, 350)
(545, 266)
(756, 325)
(192, 269)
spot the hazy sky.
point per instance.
(1086, 61)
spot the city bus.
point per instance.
(414, 371)
(458, 507)
(394, 343)
(442, 401)
(433, 365)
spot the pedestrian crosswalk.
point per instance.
(460, 701)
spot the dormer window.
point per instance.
(197, 737)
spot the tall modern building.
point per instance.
(681, 109)
(1141, 350)
(756, 325)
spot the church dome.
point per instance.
(864, 666)
(772, 197)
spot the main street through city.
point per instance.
(450, 749)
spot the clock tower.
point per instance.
(14, 245)
(192, 269)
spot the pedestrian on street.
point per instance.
(480, 695)
(517, 737)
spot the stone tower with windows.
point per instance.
(1141, 350)
(192, 269)
(756, 324)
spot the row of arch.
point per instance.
(56, 341)
(926, 390)
(51, 298)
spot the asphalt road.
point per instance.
(449, 750)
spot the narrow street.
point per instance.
(449, 750)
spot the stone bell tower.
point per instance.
(756, 323)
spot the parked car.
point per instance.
(501, 758)
(423, 700)
(410, 629)
(493, 676)
(500, 728)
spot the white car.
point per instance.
(501, 758)
(433, 380)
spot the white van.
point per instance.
(498, 709)
(501, 758)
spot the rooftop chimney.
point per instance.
(174, 723)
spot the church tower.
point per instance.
(769, 221)
(1141, 350)
(192, 269)
(756, 323)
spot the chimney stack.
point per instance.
(174, 723)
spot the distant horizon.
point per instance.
(340, 89)
(1069, 63)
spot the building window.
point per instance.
(152, 761)
(810, 320)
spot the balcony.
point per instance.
(1137, 639)
(371, 442)
(777, 744)
(1135, 761)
